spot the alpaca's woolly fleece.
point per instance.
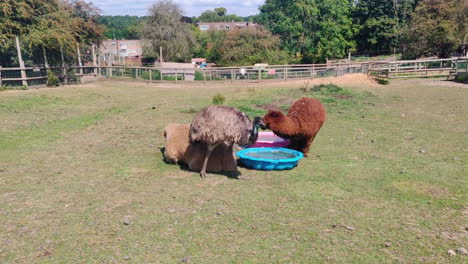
(178, 149)
(302, 123)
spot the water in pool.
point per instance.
(272, 155)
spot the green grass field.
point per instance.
(386, 180)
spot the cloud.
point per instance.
(190, 7)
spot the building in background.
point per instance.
(121, 52)
(205, 26)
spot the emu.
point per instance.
(215, 125)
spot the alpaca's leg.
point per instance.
(209, 149)
(296, 143)
(308, 142)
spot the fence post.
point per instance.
(232, 75)
(259, 75)
(313, 71)
(204, 76)
(64, 70)
(151, 75)
(79, 58)
(46, 63)
(0, 76)
(175, 76)
(94, 59)
(21, 62)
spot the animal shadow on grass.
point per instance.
(231, 175)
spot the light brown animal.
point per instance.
(304, 120)
(178, 149)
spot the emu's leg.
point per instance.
(231, 167)
(209, 149)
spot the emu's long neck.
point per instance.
(254, 132)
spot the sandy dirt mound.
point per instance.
(357, 79)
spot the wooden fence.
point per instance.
(38, 75)
(29, 76)
(418, 68)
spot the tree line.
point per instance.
(310, 31)
(47, 29)
(288, 31)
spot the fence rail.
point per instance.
(38, 75)
(380, 70)
(418, 68)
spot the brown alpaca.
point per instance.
(304, 120)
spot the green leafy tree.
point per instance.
(379, 23)
(315, 29)
(220, 11)
(17, 16)
(46, 25)
(251, 45)
(218, 15)
(439, 27)
(121, 27)
(164, 29)
(209, 44)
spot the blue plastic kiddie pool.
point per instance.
(269, 158)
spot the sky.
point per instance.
(190, 7)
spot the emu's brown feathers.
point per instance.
(220, 124)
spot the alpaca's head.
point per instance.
(272, 117)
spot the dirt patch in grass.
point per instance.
(343, 96)
(356, 80)
(279, 103)
(422, 188)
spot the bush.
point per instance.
(462, 78)
(155, 75)
(219, 99)
(73, 78)
(329, 89)
(52, 79)
(172, 77)
(5, 87)
(199, 76)
(383, 81)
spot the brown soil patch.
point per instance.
(268, 107)
(277, 105)
(343, 96)
(357, 79)
(422, 188)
